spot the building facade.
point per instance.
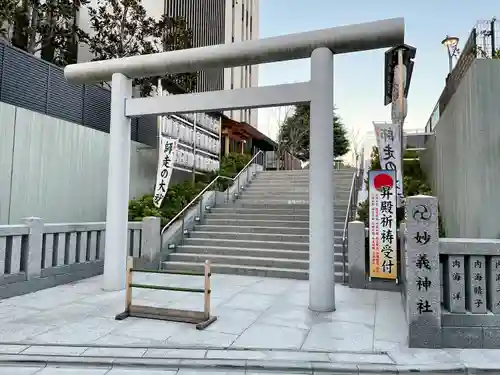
(212, 22)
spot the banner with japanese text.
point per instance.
(388, 137)
(166, 160)
(382, 230)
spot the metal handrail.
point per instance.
(344, 233)
(195, 199)
(350, 209)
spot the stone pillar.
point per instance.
(151, 238)
(321, 184)
(118, 185)
(423, 275)
(33, 261)
(356, 253)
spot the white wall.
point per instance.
(58, 170)
(462, 160)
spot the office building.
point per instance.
(212, 22)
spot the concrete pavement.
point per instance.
(263, 324)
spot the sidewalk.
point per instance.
(107, 360)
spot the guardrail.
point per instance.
(352, 207)
(35, 255)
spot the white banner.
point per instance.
(388, 137)
(383, 232)
(166, 160)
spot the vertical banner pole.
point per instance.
(159, 118)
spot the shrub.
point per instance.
(179, 195)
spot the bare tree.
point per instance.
(356, 143)
(290, 147)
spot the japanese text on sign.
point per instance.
(167, 155)
(389, 145)
(383, 235)
(423, 265)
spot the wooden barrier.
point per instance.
(202, 319)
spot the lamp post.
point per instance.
(451, 43)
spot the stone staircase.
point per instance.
(265, 232)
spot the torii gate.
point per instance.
(319, 45)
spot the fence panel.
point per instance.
(96, 108)
(65, 100)
(471, 275)
(36, 256)
(29, 82)
(24, 80)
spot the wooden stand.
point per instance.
(202, 319)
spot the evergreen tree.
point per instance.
(49, 27)
(295, 130)
(8, 10)
(122, 28)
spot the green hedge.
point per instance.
(179, 195)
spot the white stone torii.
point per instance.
(320, 45)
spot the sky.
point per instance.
(358, 77)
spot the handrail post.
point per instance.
(182, 230)
(201, 208)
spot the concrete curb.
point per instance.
(247, 365)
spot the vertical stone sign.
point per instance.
(422, 274)
(456, 283)
(477, 282)
(494, 289)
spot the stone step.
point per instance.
(246, 261)
(278, 204)
(303, 172)
(297, 182)
(271, 211)
(244, 270)
(270, 224)
(289, 190)
(272, 237)
(294, 203)
(252, 229)
(243, 210)
(337, 180)
(253, 244)
(240, 232)
(258, 223)
(259, 253)
(338, 223)
(286, 195)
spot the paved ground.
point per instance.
(267, 317)
(252, 313)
